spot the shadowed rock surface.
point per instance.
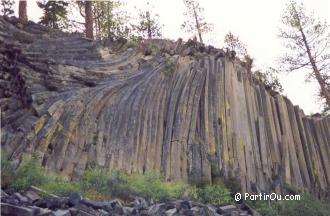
(190, 111)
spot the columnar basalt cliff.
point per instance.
(190, 111)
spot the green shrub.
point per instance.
(307, 205)
(169, 66)
(214, 194)
(60, 187)
(150, 186)
(118, 183)
(7, 172)
(180, 190)
(132, 43)
(96, 179)
(190, 192)
(101, 184)
(266, 208)
(29, 173)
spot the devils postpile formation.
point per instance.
(187, 110)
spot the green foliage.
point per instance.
(60, 187)
(109, 21)
(269, 78)
(232, 42)
(100, 184)
(55, 14)
(148, 24)
(133, 42)
(29, 173)
(151, 186)
(95, 178)
(195, 20)
(307, 40)
(7, 7)
(169, 66)
(7, 172)
(266, 208)
(214, 194)
(307, 205)
(324, 106)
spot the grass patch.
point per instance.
(169, 66)
(29, 173)
(266, 208)
(7, 172)
(60, 187)
(307, 205)
(215, 194)
(103, 184)
(133, 43)
(151, 186)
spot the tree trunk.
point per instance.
(89, 19)
(109, 22)
(22, 14)
(316, 71)
(198, 26)
(149, 25)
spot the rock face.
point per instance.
(191, 112)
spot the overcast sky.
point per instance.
(256, 22)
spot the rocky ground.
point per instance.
(32, 203)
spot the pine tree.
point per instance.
(195, 19)
(269, 78)
(232, 42)
(148, 24)
(108, 22)
(55, 14)
(7, 7)
(308, 41)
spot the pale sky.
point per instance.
(256, 22)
